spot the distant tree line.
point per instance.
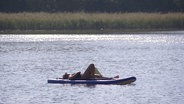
(92, 5)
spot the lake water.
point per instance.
(155, 59)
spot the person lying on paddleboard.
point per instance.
(90, 73)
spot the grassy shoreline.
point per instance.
(110, 31)
(89, 22)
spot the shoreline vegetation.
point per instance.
(88, 23)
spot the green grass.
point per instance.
(90, 21)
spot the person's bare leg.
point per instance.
(76, 76)
(89, 73)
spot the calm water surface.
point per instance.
(156, 59)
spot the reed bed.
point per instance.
(96, 21)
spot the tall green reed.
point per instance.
(81, 20)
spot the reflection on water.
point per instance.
(27, 61)
(129, 38)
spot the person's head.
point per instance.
(66, 76)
